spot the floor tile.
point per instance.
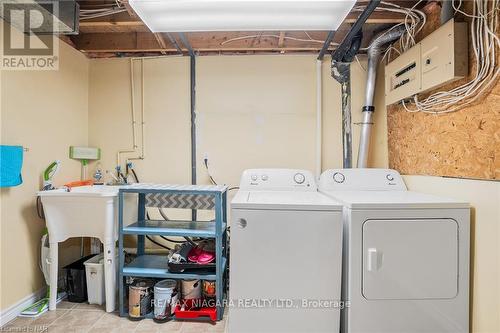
(22, 321)
(113, 320)
(86, 306)
(77, 318)
(65, 305)
(69, 329)
(49, 317)
(82, 318)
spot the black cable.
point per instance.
(205, 161)
(135, 175)
(159, 244)
(39, 208)
(165, 217)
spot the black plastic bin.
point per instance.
(76, 282)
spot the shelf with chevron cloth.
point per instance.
(191, 197)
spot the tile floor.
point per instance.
(84, 318)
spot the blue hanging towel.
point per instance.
(11, 162)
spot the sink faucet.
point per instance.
(116, 180)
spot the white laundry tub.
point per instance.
(86, 211)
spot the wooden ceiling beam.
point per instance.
(130, 10)
(128, 25)
(161, 41)
(281, 40)
(126, 33)
(204, 42)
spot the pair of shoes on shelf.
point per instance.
(204, 253)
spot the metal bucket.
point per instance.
(191, 289)
(139, 299)
(165, 297)
(208, 289)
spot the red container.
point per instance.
(193, 313)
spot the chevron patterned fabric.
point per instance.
(176, 187)
(189, 201)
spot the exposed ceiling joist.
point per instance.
(214, 42)
(125, 33)
(107, 26)
(281, 40)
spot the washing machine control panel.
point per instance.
(277, 180)
(361, 180)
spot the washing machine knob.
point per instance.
(338, 177)
(389, 177)
(264, 177)
(299, 178)
(253, 177)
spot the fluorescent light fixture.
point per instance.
(241, 15)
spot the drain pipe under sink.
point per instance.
(374, 52)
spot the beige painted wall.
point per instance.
(252, 111)
(45, 111)
(484, 197)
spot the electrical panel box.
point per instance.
(444, 55)
(403, 76)
(438, 59)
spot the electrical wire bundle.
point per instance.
(485, 44)
(212, 180)
(414, 21)
(308, 39)
(87, 14)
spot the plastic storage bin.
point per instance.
(94, 272)
(76, 283)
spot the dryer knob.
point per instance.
(389, 177)
(242, 223)
(338, 177)
(299, 178)
(253, 177)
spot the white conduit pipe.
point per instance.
(143, 113)
(319, 117)
(134, 119)
(374, 52)
(143, 121)
(132, 108)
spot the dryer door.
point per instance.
(410, 259)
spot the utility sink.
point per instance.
(86, 211)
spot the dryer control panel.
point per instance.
(277, 180)
(361, 180)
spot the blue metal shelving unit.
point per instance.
(192, 197)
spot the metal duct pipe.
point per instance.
(447, 11)
(319, 116)
(374, 52)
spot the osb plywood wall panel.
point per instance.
(464, 144)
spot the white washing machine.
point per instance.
(406, 255)
(286, 255)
